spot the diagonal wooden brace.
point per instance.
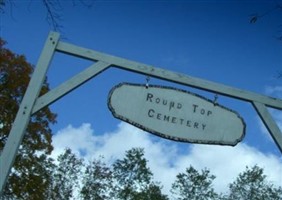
(269, 123)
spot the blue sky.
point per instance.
(212, 40)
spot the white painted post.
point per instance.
(23, 116)
(31, 103)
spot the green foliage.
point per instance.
(132, 170)
(252, 184)
(194, 185)
(36, 176)
(38, 180)
(131, 179)
(26, 175)
(97, 181)
(153, 192)
(134, 178)
(66, 176)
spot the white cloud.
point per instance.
(167, 158)
(79, 139)
(227, 162)
(275, 91)
(277, 117)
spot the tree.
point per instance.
(97, 181)
(255, 17)
(53, 10)
(252, 184)
(134, 178)
(66, 176)
(194, 185)
(36, 187)
(15, 74)
(153, 192)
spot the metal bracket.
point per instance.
(31, 103)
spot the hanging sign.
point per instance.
(176, 114)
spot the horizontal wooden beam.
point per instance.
(169, 75)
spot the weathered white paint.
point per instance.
(176, 114)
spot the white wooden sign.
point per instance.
(176, 114)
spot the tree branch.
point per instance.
(53, 13)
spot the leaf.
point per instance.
(253, 19)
